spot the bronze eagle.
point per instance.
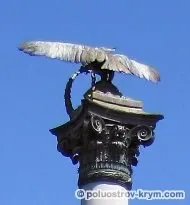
(102, 61)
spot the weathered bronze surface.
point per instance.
(104, 135)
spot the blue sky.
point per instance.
(32, 90)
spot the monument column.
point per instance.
(105, 132)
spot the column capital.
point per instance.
(104, 136)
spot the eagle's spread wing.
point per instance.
(65, 51)
(122, 63)
(86, 55)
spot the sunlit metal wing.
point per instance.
(144, 71)
(86, 55)
(122, 63)
(65, 51)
